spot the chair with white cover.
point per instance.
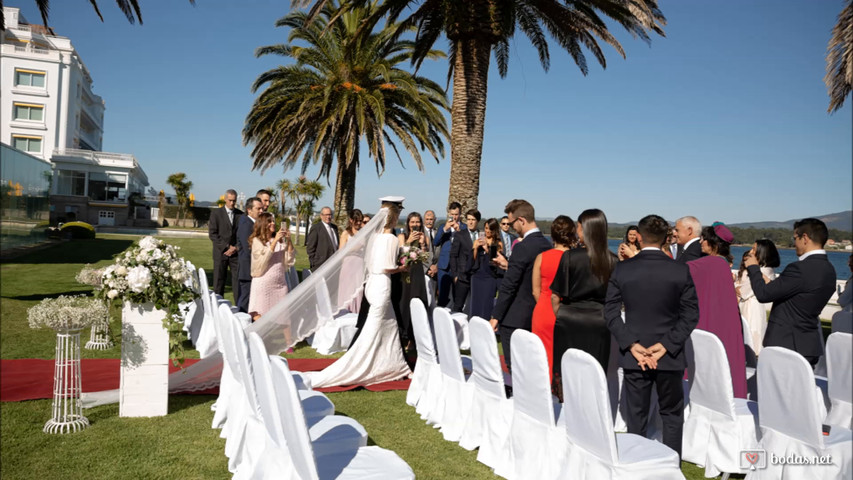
(227, 382)
(537, 447)
(460, 325)
(595, 451)
(719, 426)
(202, 332)
(305, 462)
(839, 365)
(791, 421)
(490, 414)
(337, 330)
(425, 388)
(454, 406)
(842, 321)
(193, 311)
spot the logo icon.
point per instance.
(753, 459)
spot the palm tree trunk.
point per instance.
(468, 117)
(345, 190)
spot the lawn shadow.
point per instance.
(76, 251)
(185, 401)
(42, 296)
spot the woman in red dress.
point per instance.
(563, 235)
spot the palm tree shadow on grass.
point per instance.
(76, 251)
(41, 296)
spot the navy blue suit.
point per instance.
(443, 241)
(244, 258)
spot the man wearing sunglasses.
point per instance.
(507, 237)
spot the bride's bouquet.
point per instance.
(410, 254)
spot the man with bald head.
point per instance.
(687, 230)
(322, 241)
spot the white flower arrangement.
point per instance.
(152, 271)
(66, 313)
(90, 276)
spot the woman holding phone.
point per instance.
(413, 282)
(272, 257)
(486, 276)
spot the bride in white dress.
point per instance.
(375, 356)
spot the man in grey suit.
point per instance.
(222, 231)
(322, 241)
(507, 237)
(431, 265)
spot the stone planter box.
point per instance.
(144, 388)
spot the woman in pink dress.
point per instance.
(272, 257)
(718, 308)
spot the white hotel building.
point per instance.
(48, 110)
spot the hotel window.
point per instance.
(29, 78)
(29, 111)
(70, 182)
(107, 187)
(27, 144)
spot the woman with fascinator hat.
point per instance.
(718, 307)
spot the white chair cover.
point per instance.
(426, 378)
(455, 403)
(228, 383)
(595, 451)
(749, 344)
(460, 325)
(202, 332)
(307, 464)
(537, 447)
(490, 415)
(839, 366)
(791, 421)
(842, 321)
(193, 311)
(337, 332)
(719, 426)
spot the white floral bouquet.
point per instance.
(153, 272)
(90, 276)
(410, 254)
(66, 313)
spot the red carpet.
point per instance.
(31, 379)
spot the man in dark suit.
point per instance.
(462, 259)
(254, 207)
(515, 303)
(687, 230)
(507, 237)
(222, 231)
(799, 293)
(322, 241)
(444, 242)
(661, 310)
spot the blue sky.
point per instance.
(725, 118)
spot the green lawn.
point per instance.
(182, 444)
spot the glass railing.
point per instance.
(24, 188)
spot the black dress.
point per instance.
(412, 284)
(484, 284)
(580, 320)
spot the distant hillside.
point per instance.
(840, 221)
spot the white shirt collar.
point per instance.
(650, 248)
(250, 218)
(696, 239)
(530, 231)
(813, 252)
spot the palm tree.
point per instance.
(343, 89)
(130, 8)
(306, 193)
(839, 59)
(284, 189)
(476, 28)
(182, 187)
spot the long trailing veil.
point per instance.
(293, 319)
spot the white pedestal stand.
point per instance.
(99, 339)
(67, 408)
(144, 388)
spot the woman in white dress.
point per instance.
(350, 278)
(375, 356)
(751, 309)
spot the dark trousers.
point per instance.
(445, 286)
(221, 263)
(506, 334)
(636, 399)
(460, 294)
(245, 291)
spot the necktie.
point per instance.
(230, 216)
(429, 239)
(332, 235)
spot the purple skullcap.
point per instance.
(723, 232)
